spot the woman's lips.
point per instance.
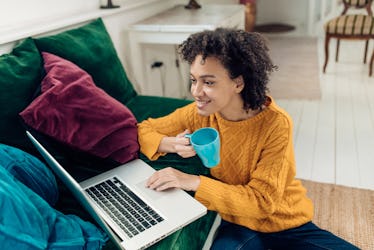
(201, 104)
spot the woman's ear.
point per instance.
(239, 84)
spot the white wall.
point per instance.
(23, 18)
(16, 12)
(23, 14)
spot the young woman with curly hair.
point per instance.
(253, 188)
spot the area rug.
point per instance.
(345, 211)
(297, 76)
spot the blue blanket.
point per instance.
(28, 191)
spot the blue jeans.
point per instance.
(230, 236)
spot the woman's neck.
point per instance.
(239, 114)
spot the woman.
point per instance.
(253, 188)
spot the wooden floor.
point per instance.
(334, 136)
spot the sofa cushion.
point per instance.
(20, 74)
(91, 48)
(72, 110)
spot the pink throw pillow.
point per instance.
(74, 111)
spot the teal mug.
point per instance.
(207, 145)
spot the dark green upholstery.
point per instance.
(91, 48)
(20, 75)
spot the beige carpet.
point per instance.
(298, 71)
(344, 211)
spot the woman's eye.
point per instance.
(208, 83)
(192, 80)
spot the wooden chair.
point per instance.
(352, 27)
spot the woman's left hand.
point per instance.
(171, 178)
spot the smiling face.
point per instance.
(214, 91)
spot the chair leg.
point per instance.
(337, 50)
(371, 64)
(368, 9)
(366, 50)
(346, 7)
(327, 41)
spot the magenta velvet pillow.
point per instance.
(72, 110)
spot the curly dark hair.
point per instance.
(241, 53)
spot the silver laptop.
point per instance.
(134, 216)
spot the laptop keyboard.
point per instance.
(126, 209)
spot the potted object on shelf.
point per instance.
(250, 14)
(192, 4)
(109, 5)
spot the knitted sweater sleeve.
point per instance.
(151, 131)
(272, 170)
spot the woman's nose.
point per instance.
(196, 89)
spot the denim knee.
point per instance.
(230, 236)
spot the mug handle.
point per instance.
(188, 136)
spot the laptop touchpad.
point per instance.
(152, 194)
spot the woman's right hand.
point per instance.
(179, 145)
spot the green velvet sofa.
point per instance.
(91, 48)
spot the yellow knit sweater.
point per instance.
(254, 185)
